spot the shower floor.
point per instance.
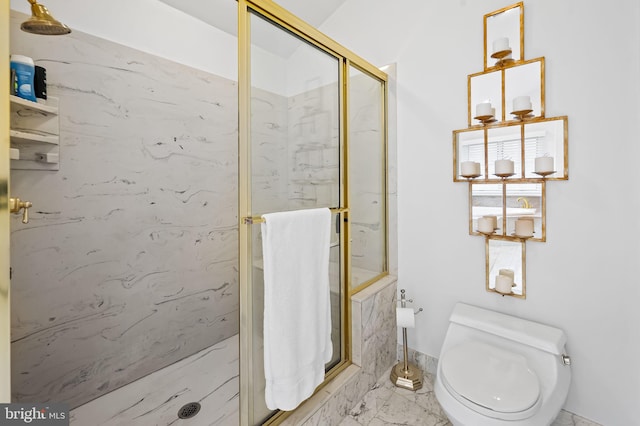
(210, 377)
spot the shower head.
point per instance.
(41, 22)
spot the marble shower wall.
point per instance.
(314, 171)
(129, 262)
(314, 148)
(367, 159)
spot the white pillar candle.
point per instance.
(494, 220)
(507, 272)
(470, 168)
(483, 109)
(504, 284)
(524, 228)
(504, 167)
(501, 44)
(485, 225)
(521, 103)
(544, 164)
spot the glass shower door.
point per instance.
(294, 154)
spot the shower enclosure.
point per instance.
(143, 250)
(312, 134)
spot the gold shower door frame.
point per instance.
(273, 12)
(5, 316)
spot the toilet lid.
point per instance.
(493, 378)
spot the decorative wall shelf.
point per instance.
(35, 134)
(506, 121)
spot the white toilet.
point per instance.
(495, 369)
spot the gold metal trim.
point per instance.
(497, 12)
(512, 123)
(505, 183)
(5, 283)
(244, 205)
(280, 416)
(367, 283)
(503, 70)
(252, 220)
(345, 225)
(297, 27)
(524, 267)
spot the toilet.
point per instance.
(495, 369)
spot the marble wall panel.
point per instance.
(367, 176)
(374, 339)
(129, 262)
(314, 148)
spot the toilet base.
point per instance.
(410, 378)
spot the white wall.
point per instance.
(583, 279)
(150, 26)
(157, 28)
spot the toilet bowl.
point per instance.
(495, 369)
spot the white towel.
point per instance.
(297, 312)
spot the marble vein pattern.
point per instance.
(209, 377)
(129, 261)
(386, 404)
(367, 181)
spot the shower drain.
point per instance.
(189, 410)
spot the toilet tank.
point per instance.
(505, 327)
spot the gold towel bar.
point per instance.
(250, 220)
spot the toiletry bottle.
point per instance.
(25, 71)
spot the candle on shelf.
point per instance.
(501, 44)
(485, 225)
(504, 167)
(504, 284)
(470, 168)
(544, 164)
(507, 272)
(484, 109)
(522, 103)
(524, 227)
(494, 220)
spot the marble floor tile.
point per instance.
(386, 404)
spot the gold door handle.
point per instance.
(15, 205)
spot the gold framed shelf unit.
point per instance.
(508, 151)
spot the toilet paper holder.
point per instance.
(405, 374)
(404, 301)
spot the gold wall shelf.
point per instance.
(513, 127)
